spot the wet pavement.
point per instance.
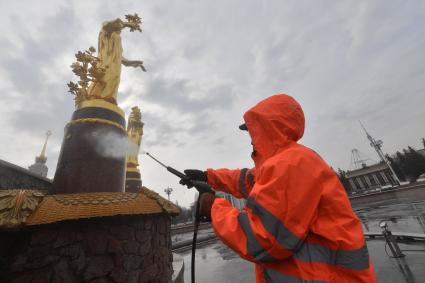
(217, 263)
(188, 236)
(409, 269)
(401, 217)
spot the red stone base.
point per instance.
(110, 249)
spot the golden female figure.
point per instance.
(110, 58)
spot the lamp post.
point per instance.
(168, 191)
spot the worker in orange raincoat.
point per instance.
(298, 224)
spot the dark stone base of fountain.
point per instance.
(133, 183)
(108, 249)
(93, 153)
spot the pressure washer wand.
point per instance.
(202, 187)
(171, 169)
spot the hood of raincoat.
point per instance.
(273, 124)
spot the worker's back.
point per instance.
(334, 246)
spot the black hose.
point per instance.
(195, 234)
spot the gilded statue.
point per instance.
(100, 75)
(135, 133)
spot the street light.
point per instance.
(168, 191)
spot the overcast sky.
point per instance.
(210, 61)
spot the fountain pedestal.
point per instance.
(93, 153)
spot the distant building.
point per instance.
(370, 177)
(39, 167)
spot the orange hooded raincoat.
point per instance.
(298, 224)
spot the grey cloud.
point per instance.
(175, 96)
(186, 97)
(42, 103)
(36, 117)
(39, 50)
(219, 141)
(161, 130)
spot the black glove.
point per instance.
(202, 187)
(196, 175)
(198, 179)
(193, 175)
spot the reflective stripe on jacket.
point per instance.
(298, 225)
